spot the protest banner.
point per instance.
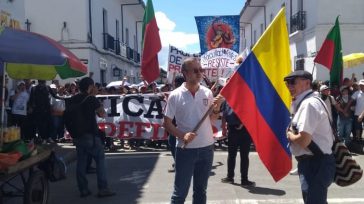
(137, 116)
(219, 62)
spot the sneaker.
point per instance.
(85, 194)
(227, 180)
(294, 172)
(172, 169)
(105, 193)
(247, 183)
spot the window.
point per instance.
(271, 17)
(104, 21)
(299, 5)
(261, 29)
(299, 62)
(103, 76)
(127, 36)
(255, 36)
(117, 30)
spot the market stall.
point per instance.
(27, 55)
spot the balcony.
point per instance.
(109, 42)
(136, 57)
(298, 21)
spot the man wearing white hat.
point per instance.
(331, 104)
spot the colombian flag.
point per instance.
(258, 95)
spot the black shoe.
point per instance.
(247, 183)
(85, 194)
(91, 170)
(227, 180)
(105, 193)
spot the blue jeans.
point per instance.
(344, 128)
(196, 163)
(90, 145)
(172, 145)
(316, 175)
(57, 130)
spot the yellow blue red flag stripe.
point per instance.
(258, 95)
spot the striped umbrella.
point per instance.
(28, 55)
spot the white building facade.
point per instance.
(308, 24)
(105, 35)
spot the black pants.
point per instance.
(238, 139)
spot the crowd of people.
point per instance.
(37, 108)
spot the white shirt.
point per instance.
(358, 96)
(188, 110)
(312, 118)
(20, 104)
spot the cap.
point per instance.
(361, 82)
(323, 88)
(20, 82)
(53, 86)
(299, 73)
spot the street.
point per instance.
(143, 178)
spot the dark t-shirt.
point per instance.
(228, 113)
(89, 107)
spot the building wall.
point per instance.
(76, 35)
(64, 20)
(320, 17)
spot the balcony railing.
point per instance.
(129, 53)
(109, 42)
(117, 46)
(298, 21)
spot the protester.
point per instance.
(188, 104)
(358, 97)
(57, 109)
(19, 108)
(311, 139)
(178, 81)
(89, 143)
(344, 121)
(39, 110)
(331, 104)
(238, 138)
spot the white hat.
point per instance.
(53, 86)
(20, 82)
(323, 88)
(361, 82)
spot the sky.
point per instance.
(177, 26)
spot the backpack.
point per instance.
(54, 167)
(73, 117)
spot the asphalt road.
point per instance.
(143, 178)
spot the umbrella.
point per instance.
(353, 60)
(28, 55)
(117, 84)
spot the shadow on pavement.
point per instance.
(265, 191)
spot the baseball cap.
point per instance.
(298, 73)
(323, 88)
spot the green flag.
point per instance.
(330, 54)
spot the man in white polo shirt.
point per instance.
(311, 139)
(358, 97)
(194, 153)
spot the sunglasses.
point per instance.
(196, 71)
(291, 82)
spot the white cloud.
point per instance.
(168, 37)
